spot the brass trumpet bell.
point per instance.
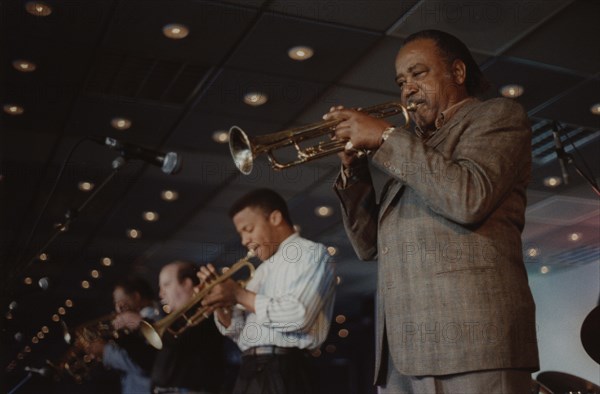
(154, 332)
(245, 149)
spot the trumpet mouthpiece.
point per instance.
(251, 253)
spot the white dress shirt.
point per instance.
(295, 290)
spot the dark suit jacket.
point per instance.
(452, 289)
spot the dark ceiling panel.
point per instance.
(575, 106)
(485, 26)
(286, 96)
(577, 52)
(87, 18)
(150, 122)
(360, 14)
(535, 81)
(140, 32)
(133, 77)
(376, 71)
(335, 48)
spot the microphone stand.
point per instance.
(21, 383)
(72, 214)
(569, 160)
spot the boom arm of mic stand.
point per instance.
(72, 214)
(21, 383)
(569, 159)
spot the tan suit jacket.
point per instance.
(452, 291)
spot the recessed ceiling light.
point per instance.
(33, 340)
(40, 335)
(27, 280)
(85, 186)
(43, 256)
(512, 91)
(24, 65)
(316, 353)
(150, 216)
(324, 211)
(340, 319)
(55, 318)
(544, 269)
(134, 233)
(169, 195)
(38, 8)
(13, 109)
(343, 333)
(300, 53)
(552, 181)
(574, 237)
(63, 311)
(95, 274)
(69, 303)
(85, 284)
(45, 329)
(176, 31)
(255, 98)
(120, 123)
(533, 252)
(106, 261)
(221, 136)
(595, 109)
(332, 250)
(330, 348)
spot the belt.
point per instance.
(164, 390)
(176, 390)
(269, 350)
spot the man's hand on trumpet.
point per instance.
(127, 320)
(223, 296)
(361, 130)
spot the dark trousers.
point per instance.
(276, 374)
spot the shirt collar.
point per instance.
(290, 239)
(443, 117)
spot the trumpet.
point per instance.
(154, 332)
(76, 362)
(245, 149)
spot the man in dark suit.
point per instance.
(454, 309)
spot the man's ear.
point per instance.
(187, 283)
(459, 72)
(137, 297)
(275, 218)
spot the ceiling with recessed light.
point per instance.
(172, 76)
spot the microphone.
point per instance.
(44, 283)
(560, 153)
(44, 371)
(169, 162)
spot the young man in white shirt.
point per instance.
(285, 310)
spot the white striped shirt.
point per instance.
(295, 290)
